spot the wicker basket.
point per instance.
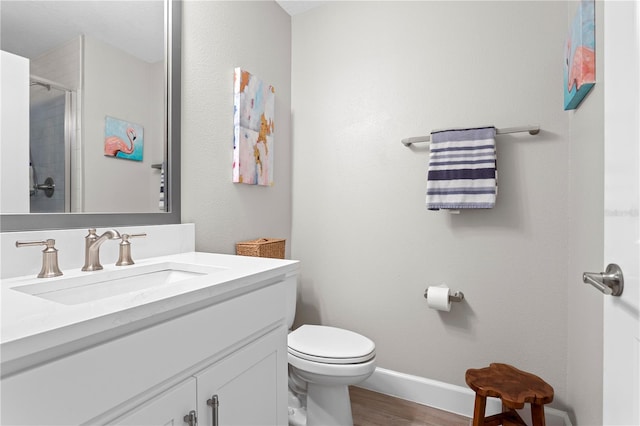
(262, 247)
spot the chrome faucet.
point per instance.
(92, 248)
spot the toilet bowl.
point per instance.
(327, 360)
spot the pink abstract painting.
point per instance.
(253, 121)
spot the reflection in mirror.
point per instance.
(110, 109)
(52, 120)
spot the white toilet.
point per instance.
(323, 362)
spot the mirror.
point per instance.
(167, 105)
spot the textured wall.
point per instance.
(586, 244)
(217, 37)
(121, 86)
(364, 76)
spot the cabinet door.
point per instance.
(167, 409)
(251, 385)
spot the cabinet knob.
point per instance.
(191, 419)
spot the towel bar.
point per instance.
(533, 130)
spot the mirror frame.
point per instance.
(43, 221)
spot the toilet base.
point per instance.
(328, 405)
(297, 408)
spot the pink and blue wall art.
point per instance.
(580, 56)
(123, 139)
(253, 120)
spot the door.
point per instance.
(621, 369)
(51, 130)
(167, 409)
(249, 386)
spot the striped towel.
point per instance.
(462, 169)
(161, 203)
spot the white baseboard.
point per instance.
(444, 396)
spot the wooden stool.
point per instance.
(514, 387)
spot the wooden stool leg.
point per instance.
(537, 415)
(478, 410)
(506, 418)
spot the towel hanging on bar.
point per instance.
(462, 169)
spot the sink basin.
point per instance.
(102, 284)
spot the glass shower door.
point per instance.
(50, 134)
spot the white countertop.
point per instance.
(34, 329)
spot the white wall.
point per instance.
(364, 76)
(586, 244)
(119, 85)
(217, 37)
(14, 153)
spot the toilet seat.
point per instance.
(325, 360)
(330, 345)
(335, 373)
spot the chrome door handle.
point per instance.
(609, 282)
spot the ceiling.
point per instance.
(295, 7)
(29, 28)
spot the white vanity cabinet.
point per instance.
(231, 345)
(244, 387)
(168, 408)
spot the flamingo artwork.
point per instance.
(580, 56)
(113, 144)
(583, 68)
(116, 132)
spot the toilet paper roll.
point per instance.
(438, 298)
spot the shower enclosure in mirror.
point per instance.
(52, 129)
(89, 60)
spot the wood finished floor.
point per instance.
(374, 409)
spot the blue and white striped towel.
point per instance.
(161, 199)
(462, 169)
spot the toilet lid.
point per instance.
(330, 345)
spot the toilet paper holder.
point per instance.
(458, 296)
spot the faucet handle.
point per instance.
(50, 267)
(142, 234)
(125, 249)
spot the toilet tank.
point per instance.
(291, 284)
